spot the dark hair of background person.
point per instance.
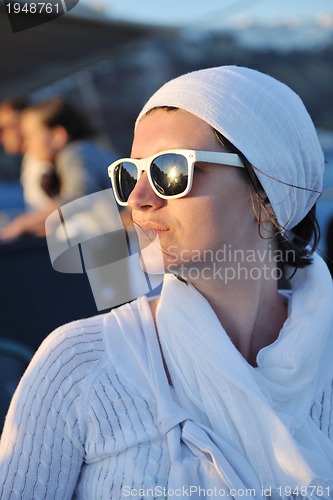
(58, 112)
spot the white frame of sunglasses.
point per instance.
(192, 156)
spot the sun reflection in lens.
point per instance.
(172, 173)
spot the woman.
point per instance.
(56, 134)
(222, 386)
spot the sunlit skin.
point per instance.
(10, 133)
(217, 212)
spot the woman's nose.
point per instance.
(143, 195)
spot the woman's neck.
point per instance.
(252, 312)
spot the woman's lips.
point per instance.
(150, 229)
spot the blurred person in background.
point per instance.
(56, 133)
(10, 132)
(38, 178)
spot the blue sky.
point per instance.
(221, 12)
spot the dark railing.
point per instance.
(35, 298)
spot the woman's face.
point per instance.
(216, 214)
(39, 140)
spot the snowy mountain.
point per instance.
(285, 36)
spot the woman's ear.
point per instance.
(60, 137)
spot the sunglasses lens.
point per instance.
(169, 173)
(125, 176)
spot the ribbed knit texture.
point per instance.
(79, 429)
(82, 431)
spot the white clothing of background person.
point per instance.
(32, 171)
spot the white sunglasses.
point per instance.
(170, 173)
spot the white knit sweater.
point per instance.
(77, 428)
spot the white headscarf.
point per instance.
(266, 121)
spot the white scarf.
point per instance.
(234, 430)
(236, 426)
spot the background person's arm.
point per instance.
(32, 222)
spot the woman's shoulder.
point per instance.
(72, 335)
(81, 351)
(71, 350)
(95, 336)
